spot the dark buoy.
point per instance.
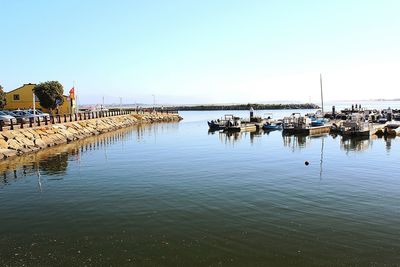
(307, 163)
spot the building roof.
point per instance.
(25, 84)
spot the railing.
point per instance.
(157, 110)
(21, 123)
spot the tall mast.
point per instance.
(322, 95)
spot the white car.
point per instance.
(6, 119)
(39, 113)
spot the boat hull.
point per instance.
(215, 126)
(350, 133)
(308, 130)
(272, 127)
(241, 128)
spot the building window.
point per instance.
(16, 97)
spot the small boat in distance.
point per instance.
(237, 125)
(272, 126)
(317, 118)
(297, 124)
(317, 122)
(215, 125)
(220, 124)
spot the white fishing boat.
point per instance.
(355, 126)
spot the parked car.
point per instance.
(39, 113)
(13, 114)
(6, 118)
(23, 116)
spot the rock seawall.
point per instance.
(18, 142)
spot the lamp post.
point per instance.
(154, 102)
(34, 102)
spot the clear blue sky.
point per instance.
(204, 51)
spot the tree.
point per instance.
(3, 100)
(50, 94)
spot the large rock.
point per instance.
(14, 144)
(25, 142)
(3, 144)
(40, 144)
(6, 153)
(8, 135)
(28, 135)
(48, 141)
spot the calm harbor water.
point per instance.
(175, 195)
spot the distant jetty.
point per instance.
(247, 107)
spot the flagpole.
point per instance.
(77, 103)
(75, 97)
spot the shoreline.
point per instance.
(22, 141)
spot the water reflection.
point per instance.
(255, 134)
(300, 141)
(154, 130)
(55, 164)
(388, 142)
(54, 161)
(229, 137)
(357, 144)
(295, 141)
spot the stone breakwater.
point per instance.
(21, 141)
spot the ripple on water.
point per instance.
(176, 195)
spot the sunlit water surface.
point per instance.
(175, 195)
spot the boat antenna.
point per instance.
(322, 95)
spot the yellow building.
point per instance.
(22, 98)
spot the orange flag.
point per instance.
(72, 93)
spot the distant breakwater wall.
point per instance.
(21, 141)
(247, 107)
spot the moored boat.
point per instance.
(216, 125)
(356, 126)
(220, 124)
(315, 122)
(297, 124)
(236, 125)
(272, 126)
